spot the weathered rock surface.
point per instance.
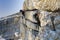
(49, 29)
(50, 5)
(34, 22)
(49, 17)
(10, 26)
(27, 27)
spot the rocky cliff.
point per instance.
(48, 15)
(10, 26)
(39, 20)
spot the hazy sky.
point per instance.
(8, 7)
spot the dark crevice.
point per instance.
(52, 19)
(30, 21)
(35, 32)
(31, 10)
(37, 19)
(7, 22)
(23, 11)
(58, 10)
(9, 39)
(35, 16)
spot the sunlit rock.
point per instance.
(50, 5)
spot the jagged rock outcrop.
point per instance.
(10, 26)
(31, 25)
(49, 17)
(47, 29)
(50, 5)
(39, 20)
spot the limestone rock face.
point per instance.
(34, 22)
(27, 26)
(42, 4)
(49, 29)
(10, 27)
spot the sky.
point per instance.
(8, 7)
